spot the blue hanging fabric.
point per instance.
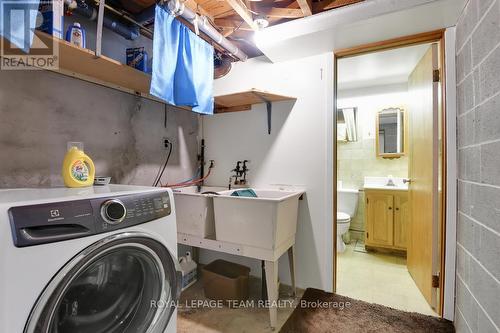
(202, 67)
(166, 41)
(182, 65)
(184, 85)
(18, 21)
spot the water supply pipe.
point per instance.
(205, 27)
(187, 14)
(193, 182)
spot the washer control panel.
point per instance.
(58, 221)
(113, 211)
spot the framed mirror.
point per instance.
(391, 133)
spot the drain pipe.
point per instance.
(202, 23)
(121, 29)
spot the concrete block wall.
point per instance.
(478, 107)
(41, 111)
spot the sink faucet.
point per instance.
(244, 170)
(390, 181)
(240, 174)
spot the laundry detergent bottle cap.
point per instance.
(78, 169)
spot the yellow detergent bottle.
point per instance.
(78, 169)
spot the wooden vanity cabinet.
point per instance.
(386, 219)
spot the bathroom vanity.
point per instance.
(386, 214)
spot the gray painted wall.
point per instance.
(40, 111)
(478, 233)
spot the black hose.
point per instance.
(160, 174)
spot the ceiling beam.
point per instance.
(195, 7)
(227, 23)
(226, 32)
(306, 7)
(282, 12)
(332, 4)
(240, 8)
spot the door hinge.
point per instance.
(367, 235)
(436, 77)
(435, 280)
(367, 201)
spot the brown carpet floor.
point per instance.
(322, 312)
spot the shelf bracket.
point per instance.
(269, 108)
(100, 23)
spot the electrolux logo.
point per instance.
(20, 18)
(55, 215)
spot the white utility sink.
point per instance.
(385, 183)
(265, 222)
(195, 210)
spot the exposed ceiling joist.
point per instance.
(331, 4)
(232, 24)
(226, 32)
(282, 12)
(195, 7)
(306, 7)
(240, 8)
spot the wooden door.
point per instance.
(422, 251)
(401, 220)
(379, 219)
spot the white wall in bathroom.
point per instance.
(296, 152)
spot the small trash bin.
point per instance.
(226, 281)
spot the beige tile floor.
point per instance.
(379, 278)
(206, 319)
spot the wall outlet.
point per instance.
(165, 142)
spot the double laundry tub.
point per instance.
(263, 222)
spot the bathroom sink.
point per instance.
(385, 183)
(266, 222)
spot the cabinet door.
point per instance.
(379, 219)
(401, 218)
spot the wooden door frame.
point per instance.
(422, 38)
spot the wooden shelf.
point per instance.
(243, 101)
(83, 64)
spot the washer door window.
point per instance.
(124, 283)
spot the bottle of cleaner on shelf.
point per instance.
(78, 169)
(76, 35)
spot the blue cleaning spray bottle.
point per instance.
(76, 35)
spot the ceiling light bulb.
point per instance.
(261, 22)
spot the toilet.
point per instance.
(347, 204)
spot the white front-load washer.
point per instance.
(90, 260)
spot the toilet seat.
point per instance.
(343, 217)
